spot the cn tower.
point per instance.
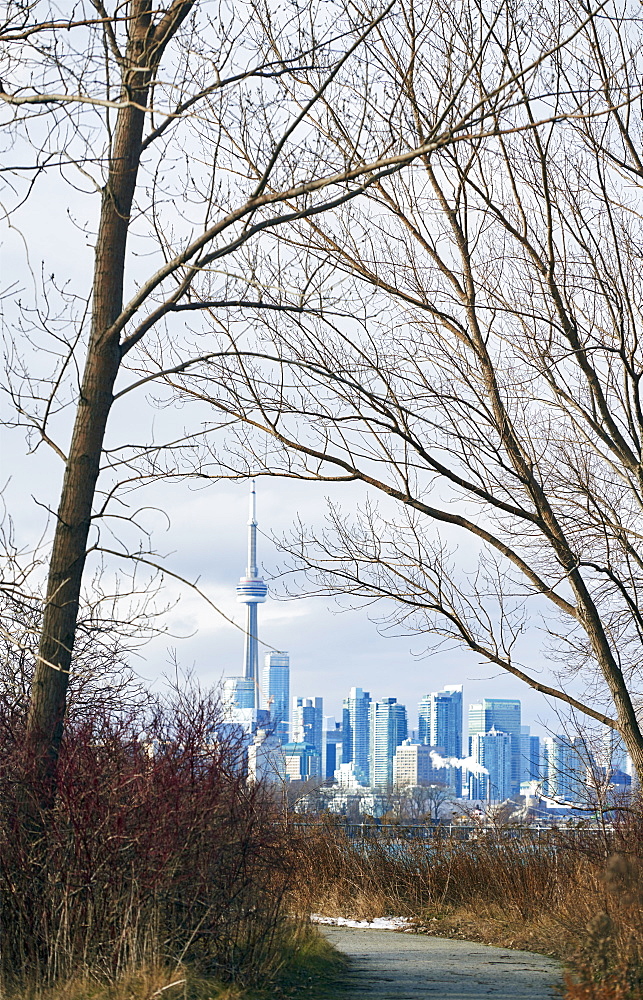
(251, 591)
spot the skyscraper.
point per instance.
(491, 751)
(308, 722)
(388, 729)
(445, 720)
(276, 688)
(333, 738)
(252, 591)
(502, 714)
(237, 693)
(424, 720)
(530, 769)
(567, 761)
(356, 732)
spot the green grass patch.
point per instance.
(311, 967)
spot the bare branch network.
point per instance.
(396, 245)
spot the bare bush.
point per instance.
(155, 852)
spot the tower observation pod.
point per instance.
(251, 591)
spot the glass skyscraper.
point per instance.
(424, 720)
(491, 751)
(356, 732)
(276, 689)
(567, 761)
(308, 722)
(530, 769)
(445, 720)
(503, 715)
(238, 692)
(388, 729)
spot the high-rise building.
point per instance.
(445, 720)
(252, 591)
(412, 765)
(266, 760)
(612, 753)
(502, 714)
(356, 732)
(567, 762)
(238, 692)
(276, 689)
(389, 728)
(301, 761)
(307, 725)
(530, 767)
(424, 720)
(493, 752)
(333, 738)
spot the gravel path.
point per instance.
(386, 965)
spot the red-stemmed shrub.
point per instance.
(155, 849)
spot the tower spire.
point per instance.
(251, 591)
(251, 569)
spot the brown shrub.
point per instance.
(154, 852)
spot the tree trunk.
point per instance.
(51, 676)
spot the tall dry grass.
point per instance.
(578, 898)
(154, 854)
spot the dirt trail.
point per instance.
(387, 965)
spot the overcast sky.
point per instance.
(201, 532)
(331, 648)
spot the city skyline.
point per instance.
(254, 644)
(207, 636)
(486, 759)
(330, 648)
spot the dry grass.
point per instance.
(304, 963)
(562, 898)
(145, 984)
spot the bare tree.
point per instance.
(424, 802)
(487, 384)
(198, 130)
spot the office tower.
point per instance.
(301, 761)
(612, 753)
(356, 732)
(388, 729)
(530, 769)
(567, 763)
(266, 762)
(424, 720)
(412, 765)
(252, 591)
(502, 714)
(333, 737)
(493, 752)
(445, 720)
(307, 725)
(276, 689)
(238, 692)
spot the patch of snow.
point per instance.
(378, 923)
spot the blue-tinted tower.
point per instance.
(252, 591)
(356, 731)
(276, 688)
(388, 730)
